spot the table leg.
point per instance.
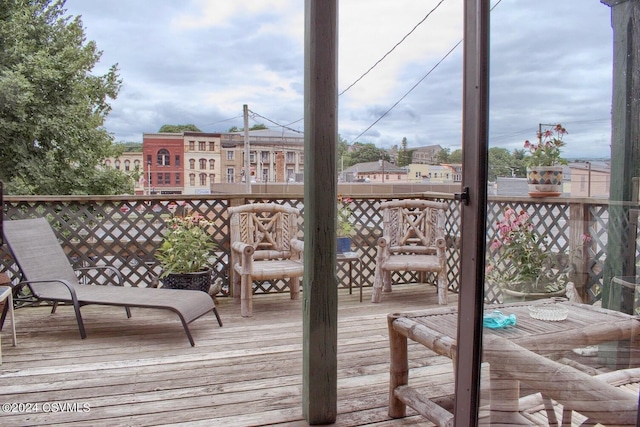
(399, 370)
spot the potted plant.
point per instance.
(185, 253)
(544, 163)
(345, 226)
(522, 263)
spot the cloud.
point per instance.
(199, 61)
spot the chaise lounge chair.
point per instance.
(50, 277)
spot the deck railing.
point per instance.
(126, 230)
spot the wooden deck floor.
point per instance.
(142, 371)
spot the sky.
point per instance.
(199, 61)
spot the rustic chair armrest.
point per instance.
(297, 245)
(383, 241)
(112, 269)
(242, 248)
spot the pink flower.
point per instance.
(586, 238)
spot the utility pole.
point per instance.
(540, 130)
(247, 162)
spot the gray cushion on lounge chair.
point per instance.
(50, 277)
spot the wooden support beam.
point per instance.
(320, 294)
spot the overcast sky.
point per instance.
(199, 61)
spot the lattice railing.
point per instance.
(125, 232)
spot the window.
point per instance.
(167, 178)
(160, 178)
(203, 179)
(192, 145)
(108, 162)
(418, 174)
(264, 156)
(192, 163)
(212, 178)
(212, 164)
(192, 179)
(163, 157)
(230, 174)
(212, 146)
(291, 157)
(177, 159)
(136, 164)
(290, 174)
(203, 164)
(127, 165)
(177, 178)
(230, 154)
(252, 157)
(202, 145)
(301, 158)
(265, 174)
(117, 163)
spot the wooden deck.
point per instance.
(142, 371)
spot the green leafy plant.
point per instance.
(345, 226)
(187, 246)
(521, 259)
(547, 151)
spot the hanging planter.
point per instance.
(544, 181)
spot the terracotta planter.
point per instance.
(343, 245)
(544, 181)
(198, 281)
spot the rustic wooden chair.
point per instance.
(412, 240)
(264, 246)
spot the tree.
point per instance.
(363, 153)
(500, 163)
(405, 156)
(179, 128)
(130, 147)
(444, 155)
(257, 126)
(52, 109)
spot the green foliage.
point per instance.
(131, 147)
(345, 226)
(187, 246)
(52, 109)
(178, 128)
(405, 156)
(258, 126)
(520, 258)
(364, 153)
(547, 152)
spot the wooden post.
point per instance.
(399, 369)
(320, 293)
(625, 137)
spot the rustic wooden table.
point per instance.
(514, 353)
(351, 258)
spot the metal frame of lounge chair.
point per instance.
(50, 276)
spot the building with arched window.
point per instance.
(163, 157)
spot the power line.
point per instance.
(392, 49)
(222, 121)
(277, 124)
(416, 85)
(408, 92)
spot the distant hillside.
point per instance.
(131, 146)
